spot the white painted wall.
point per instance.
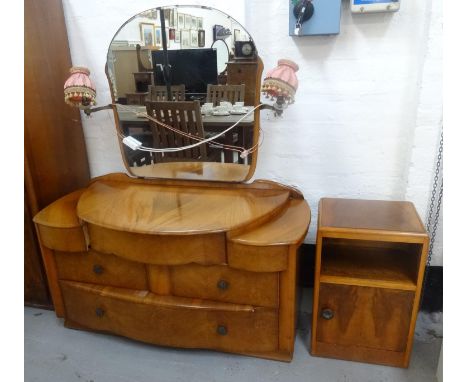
(368, 110)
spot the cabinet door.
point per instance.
(362, 316)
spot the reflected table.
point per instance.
(211, 124)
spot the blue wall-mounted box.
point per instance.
(325, 20)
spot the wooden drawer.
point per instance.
(255, 258)
(63, 239)
(170, 321)
(222, 283)
(364, 317)
(159, 249)
(97, 268)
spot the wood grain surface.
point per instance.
(369, 266)
(100, 269)
(61, 213)
(159, 249)
(367, 317)
(183, 268)
(370, 258)
(370, 215)
(288, 227)
(223, 283)
(172, 321)
(202, 171)
(151, 209)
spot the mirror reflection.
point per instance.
(204, 82)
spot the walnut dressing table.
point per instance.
(178, 263)
(183, 252)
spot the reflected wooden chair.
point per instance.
(183, 116)
(230, 93)
(159, 93)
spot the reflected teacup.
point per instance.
(207, 108)
(222, 109)
(227, 105)
(238, 108)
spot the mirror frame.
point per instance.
(256, 127)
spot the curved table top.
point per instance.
(181, 210)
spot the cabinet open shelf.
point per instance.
(373, 264)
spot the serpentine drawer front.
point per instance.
(191, 265)
(171, 321)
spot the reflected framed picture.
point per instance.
(147, 34)
(172, 18)
(188, 21)
(180, 21)
(194, 39)
(201, 38)
(167, 15)
(172, 34)
(199, 22)
(185, 39)
(157, 37)
(236, 35)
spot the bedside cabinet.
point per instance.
(369, 268)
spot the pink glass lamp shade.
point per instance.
(281, 82)
(79, 90)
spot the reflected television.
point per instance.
(195, 68)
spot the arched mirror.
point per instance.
(178, 102)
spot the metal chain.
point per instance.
(434, 227)
(431, 226)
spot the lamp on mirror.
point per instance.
(280, 84)
(79, 89)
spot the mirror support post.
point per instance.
(167, 67)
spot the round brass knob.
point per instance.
(327, 314)
(99, 312)
(222, 330)
(223, 284)
(98, 269)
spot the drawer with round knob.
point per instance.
(169, 320)
(222, 283)
(97, 268)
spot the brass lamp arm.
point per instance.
(90, 110)
(278, 107)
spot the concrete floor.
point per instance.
(56, 354)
